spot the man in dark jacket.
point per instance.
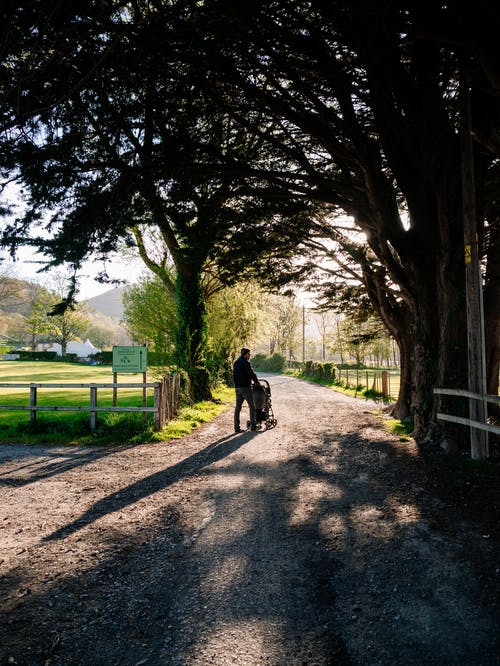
(243, 376)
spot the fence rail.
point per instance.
(488, 427)
(165, 399)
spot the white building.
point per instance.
(81, 349)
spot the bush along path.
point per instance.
(325, 540)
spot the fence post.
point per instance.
(385, 387)
(33, 404)
(171, 396)
(93, 405)
(156, 401)
(176, 389)
(144, 394)
(115, 389)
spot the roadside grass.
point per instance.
(73, 428)
(400, 428)
(192, 416)
(354, 390)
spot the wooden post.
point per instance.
(156, 414)
(176, 388)
(33, 404)
(385, 387)
(144, 394)
(166, 398)
(93, 404)
(367, 381)
(115, 389)
(303, 334)
(473, 278)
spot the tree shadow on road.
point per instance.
(154, 482)
(325, 557)
(49, 462)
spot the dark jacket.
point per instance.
(243, 373)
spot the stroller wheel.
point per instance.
(271, 423)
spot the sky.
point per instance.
(25, 268)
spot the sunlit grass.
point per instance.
(192, 416)
(400, 428)
(73, 428)
(360, 390)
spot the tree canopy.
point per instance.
(236, 129)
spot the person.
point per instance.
(243, 376)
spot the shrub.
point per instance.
(25, 355)
(324, 371)
(264, 363)
(259, 361)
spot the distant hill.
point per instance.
(109, 303)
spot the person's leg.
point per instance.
(248, 396)
(237, 408)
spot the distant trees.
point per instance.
(150, 314)
(25, 319)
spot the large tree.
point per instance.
(368, 100)
(140, 145)
(349, 104)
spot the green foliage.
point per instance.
(274, 363)
(233, 317)
(150, 314)
(35, 355)
(318, 370)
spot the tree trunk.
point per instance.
(492, 316)
(192, 331)
(452, 361)
(401, 408)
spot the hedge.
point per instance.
(265, 363)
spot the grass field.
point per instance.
(359, 383)
(74, 427)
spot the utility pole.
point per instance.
(303, 334)
(473, 277)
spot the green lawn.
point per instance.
(74, 427)
(66, 373)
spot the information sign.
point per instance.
(130, 359)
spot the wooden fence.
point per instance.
(479, 448)
(378, 381)
(475, 396)
(165, 402)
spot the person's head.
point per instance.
(245, 352)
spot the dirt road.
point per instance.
(322, 541)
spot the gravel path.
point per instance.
(322, 541)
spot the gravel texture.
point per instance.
(322, 541)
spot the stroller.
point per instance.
(263, 407)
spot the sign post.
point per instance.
(130, 359)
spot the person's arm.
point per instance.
(253, 376)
